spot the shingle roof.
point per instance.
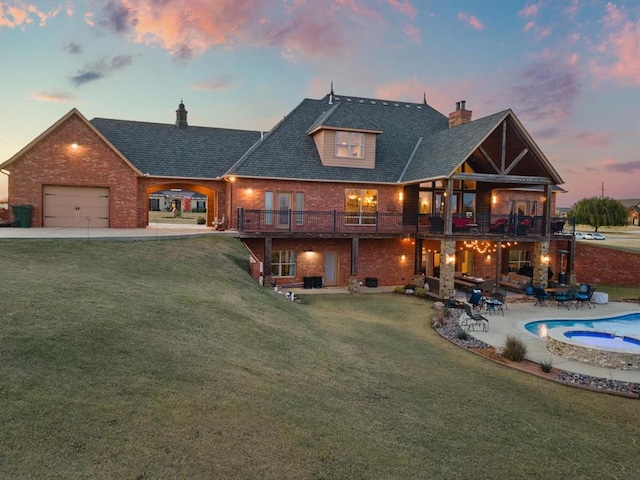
(439, 154)
(288, 152)
(168, 151)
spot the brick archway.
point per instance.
(214, 206)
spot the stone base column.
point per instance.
(540, 263)
(447, 268)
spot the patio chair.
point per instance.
(502, 296)
(488, 286)
(541, 296)
(437, 224)
(472, 320)
(557, 227)
(585, 292)
(494, 304)
(476, 300)
(564, 299)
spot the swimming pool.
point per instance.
(628, 324)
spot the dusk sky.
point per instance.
(569, 69)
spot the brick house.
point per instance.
(343, 188)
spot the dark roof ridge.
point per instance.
(140, 122)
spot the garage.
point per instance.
(75, 206)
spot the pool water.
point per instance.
(628, 324)
(605, 340)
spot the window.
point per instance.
(349, 145)
(519, 259)
(425, 202)
(468, 204)
(518, 208)
(268, 206)
(299, 208)
(283, 263)
(360, 206)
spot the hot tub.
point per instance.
(597, 348)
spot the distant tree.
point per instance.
(600, 212)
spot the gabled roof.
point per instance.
(414, 143)
(164, 150)
(287, 152)
(72, 113)
(441, 153)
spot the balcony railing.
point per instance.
(336, 222)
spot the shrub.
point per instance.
(398, 290)
(514, 349)
(546, 365)
(201, 220)
(420, 292)
(462, 335)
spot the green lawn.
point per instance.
(163, 360)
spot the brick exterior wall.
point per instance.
(601, 265)
(52, 161)
(249, 193)
(379, 258)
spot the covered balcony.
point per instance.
(338, 223)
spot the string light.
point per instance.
(481, 247)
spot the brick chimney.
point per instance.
(461, 115)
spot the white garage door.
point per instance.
(76, 206)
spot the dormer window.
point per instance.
(349, 145)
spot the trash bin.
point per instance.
(562, 278)
(22, 215)
(317, 282)
(308, 282)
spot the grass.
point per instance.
(617, 293)
(162, 359)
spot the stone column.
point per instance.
(540, 267)
(447, 268)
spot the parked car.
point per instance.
(588, 236)
(579, 235)
(598, 236)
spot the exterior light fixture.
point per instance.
(74, 145)
(494, 199)
(450, 259)
(403, 257)
(401, 196)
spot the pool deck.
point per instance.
(518, 313)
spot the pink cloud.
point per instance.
(413, 33)
(51, 96)
(528, 26)
(529, 11)
(573, 8)
(411, 90)
(630, 167)
(594, 140)
(214, 84)
(299, 29)
(619, 54)
(20, 15)
(405, 7)
(542, 32)
(471, 21)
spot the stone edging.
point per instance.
(584, 382)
